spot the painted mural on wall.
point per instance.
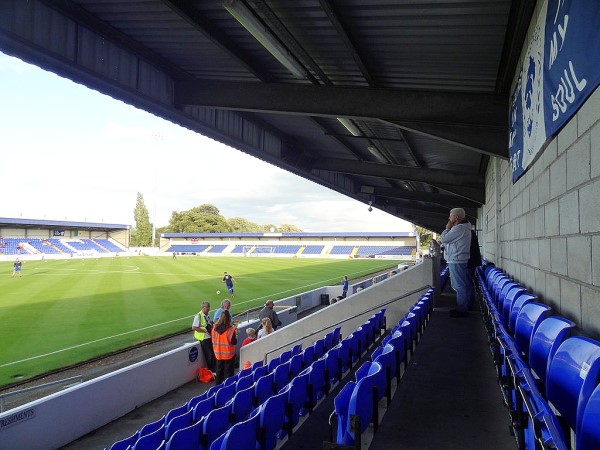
(559, 71)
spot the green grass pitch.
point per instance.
(61, 312)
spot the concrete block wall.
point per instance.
(544, 230)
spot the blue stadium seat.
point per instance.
(124, 444)
(388, 361)
(187, 438)
(259, 372)
(285, 356)
(508, 298)
(317, 382)
(547, 337)
(588, 437)
(151, 427)
(215, 424)
(178, 422)
(150, 441)
(223, 395)
(298, 396)
(271, 420)
(203, 407)
(263, 388)
(319, 348)
(295, 365)
(242, 404)
(308, 356)
(296, 349)
(244, 382)
(191, 404)
(345, 354)
(573, 375)
(273, 364)
(242, 435)
(522, 300)
(281, 376)
(527, 322)
(332, 368)
(341, 404)
(175, 412)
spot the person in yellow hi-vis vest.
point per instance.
(224, 340)
(202, 327)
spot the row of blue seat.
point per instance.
(197, 424)
(549, 375)
(357, 404)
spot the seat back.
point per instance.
(285, 356)
(506, 298)
(547, 337)
(520, 301)
(589, 432)
(271, 419)
(150, 441)
(223, 395)
(204, 407)
(308, 356)
(259, 372)
(332, 366)
(319, 348)
(528, 319)
(341, 404)
(573, 375)
(242, 435)
(295, 365)
(178, 422)
(242, 404)
(362, 400)
(345, 354)
(215, 424)
(124, 444)
(244, 382)
(273, 364)
(281, 376)
(186, 438)
(317, 381)
(298, 396)
(263, 388)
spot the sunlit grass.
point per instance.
(61, 312)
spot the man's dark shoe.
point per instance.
(455, 314)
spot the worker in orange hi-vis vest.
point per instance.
(224, 340)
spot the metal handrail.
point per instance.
(395, 299)
(76, 380)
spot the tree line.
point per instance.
(205, 218)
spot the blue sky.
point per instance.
(69, 152)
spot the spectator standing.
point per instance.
(229, 280)
(268, 311)
(266, 327)
(344, 286)
(202, 326)
(224, 340)
(456, 239)
(251, 332)
(225, 306)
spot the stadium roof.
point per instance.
(59, 224)
(400, 103)
(288, 235)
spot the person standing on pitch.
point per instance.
(267, 311)
(202, 327)
(456, 239)
(344, 286)
(229, 280)
(224, 340)
(17, 266)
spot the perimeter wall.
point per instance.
(544, 230)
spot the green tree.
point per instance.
(288, 228)
(241, 225)
(141, 235)
(201, 219)
(425, 235)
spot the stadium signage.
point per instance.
(15, 418)
(558, 73)
(193, 354)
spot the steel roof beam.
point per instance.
(430, 176)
